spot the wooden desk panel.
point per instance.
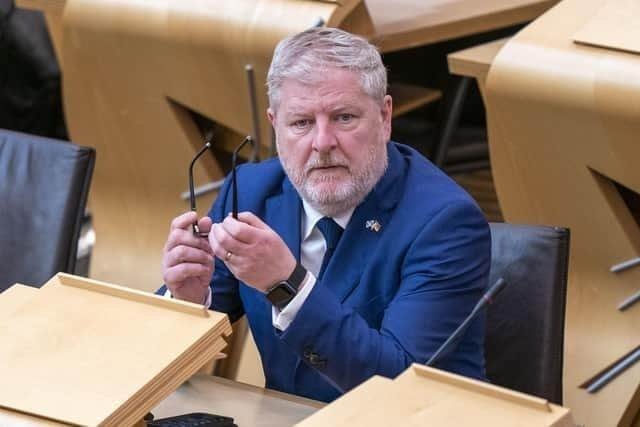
(402, 24)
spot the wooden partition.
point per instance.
(563, 103)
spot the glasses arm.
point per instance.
(234, 159)
(192, 194)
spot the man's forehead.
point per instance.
(328, 93)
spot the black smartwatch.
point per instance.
(283, 292)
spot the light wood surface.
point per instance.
(246, 404)
(91, 355)
(613, 27)
(564, 120)
(402, 24)
(475, 61)
(423, 396)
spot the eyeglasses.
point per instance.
(192, 193)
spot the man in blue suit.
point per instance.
(353, 255)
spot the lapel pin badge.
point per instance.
(373, 225)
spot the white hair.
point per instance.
(305, 56)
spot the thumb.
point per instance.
(204, 224)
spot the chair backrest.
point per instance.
(44, 185)
(525, 326)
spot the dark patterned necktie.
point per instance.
(331, 232)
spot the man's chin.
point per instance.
(331, 199)
(327, 190)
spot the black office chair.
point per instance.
(525, 326)
(44, 185)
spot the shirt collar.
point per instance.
(311, 216)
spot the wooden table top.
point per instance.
(402, 24)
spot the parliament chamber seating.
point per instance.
(525, 325)
(44, 185)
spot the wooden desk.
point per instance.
(475, 62)
(248, 405)
(411, 23)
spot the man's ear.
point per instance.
(387, 110)
(271, 115)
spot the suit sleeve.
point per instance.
(442, 275)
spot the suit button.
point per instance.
(313, 358)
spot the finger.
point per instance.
(184, 221)
(251, 219)
(222, 242)
(180, 237)
(184, 271)
(241, 231)
(185, 254)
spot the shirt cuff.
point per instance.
(282, 319)
(207, 300)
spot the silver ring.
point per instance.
(228, 256)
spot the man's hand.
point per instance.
(252, 251)
(187, 261)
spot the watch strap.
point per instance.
(297, 277)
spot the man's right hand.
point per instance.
(187, 261)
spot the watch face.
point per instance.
(281, 294)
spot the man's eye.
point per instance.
(345, 118)
(301, 124)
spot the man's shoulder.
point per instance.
(264, 174)
(427, 184)
(259, 182)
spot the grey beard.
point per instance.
(350, 197)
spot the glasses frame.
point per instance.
(234, 183)
(192, 193)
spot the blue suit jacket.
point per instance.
(387, 298)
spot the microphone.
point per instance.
(452, 341)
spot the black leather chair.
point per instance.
(525, 325)
(43, 191)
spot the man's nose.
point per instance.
(325, 138)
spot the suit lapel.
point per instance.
(284, 219)
(358, 241)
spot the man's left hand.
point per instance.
(252, 251)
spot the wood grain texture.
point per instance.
(564, 121)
